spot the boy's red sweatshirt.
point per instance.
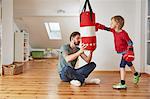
(121, 39)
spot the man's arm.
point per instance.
(72, 57)
(87, 58)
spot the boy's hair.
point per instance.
(74, 34)
(119, 19)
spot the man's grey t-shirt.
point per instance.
(66, 50)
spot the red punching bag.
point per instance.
(87, 27)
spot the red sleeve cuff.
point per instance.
(99, 26)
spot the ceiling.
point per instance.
(30, 16)
(45, 7)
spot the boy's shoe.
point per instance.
(136, 78)
(119, 86)
(75, 83)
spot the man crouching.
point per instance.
(68, 57)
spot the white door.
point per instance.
(147, 37)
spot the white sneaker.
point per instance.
(94, 81)
(75, 83)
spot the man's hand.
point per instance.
(73, 56)
(87, 58)
(83, 47)
(91, 52)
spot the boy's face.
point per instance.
(113, 24)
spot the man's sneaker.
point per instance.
(75, 83)
(93, 81)
(119, 86)
(136, 78)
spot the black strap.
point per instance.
(89, 5)
(90, 8)
(107, 28)
(84, 7)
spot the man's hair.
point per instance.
(119, 19)
(74, 34)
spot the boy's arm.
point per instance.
(102, 27)
(129, 41)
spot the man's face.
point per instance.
(77, 39)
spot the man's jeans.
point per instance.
(68, 73)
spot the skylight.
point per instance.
(53, 30)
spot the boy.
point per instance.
(123, 44)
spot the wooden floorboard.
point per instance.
(40, 80)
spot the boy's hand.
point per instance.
(99, 26)
(130, 48)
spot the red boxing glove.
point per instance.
(99, 26)
(129, 56)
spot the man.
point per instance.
(68, 57)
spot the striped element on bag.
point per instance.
(87, 31)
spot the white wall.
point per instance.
(15, 27)
(7, 32)
(138, 37)
(38, 34)
(143, 13)
(105, 55)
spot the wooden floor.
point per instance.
(41, 81)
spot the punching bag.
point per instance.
(87, 27)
